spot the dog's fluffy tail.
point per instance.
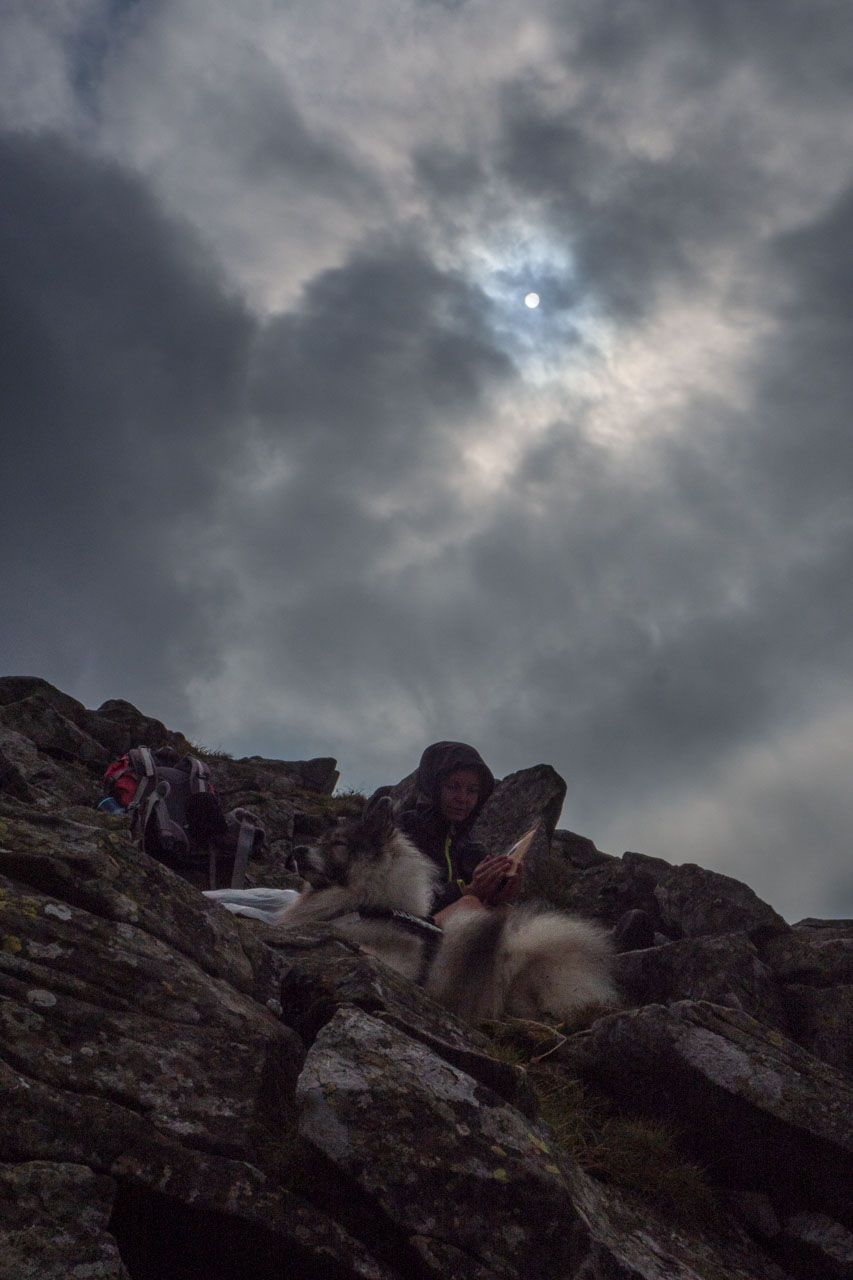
(525, 962)
(556, 964)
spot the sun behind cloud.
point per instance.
(531, 300)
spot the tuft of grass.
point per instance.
(643, 1155)
(341, 804)
(348, 803)
(573, 1117)
(632, 1152)
(207, 753)
(522, 1040)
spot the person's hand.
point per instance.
(493, 883)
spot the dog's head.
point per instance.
(352, 843)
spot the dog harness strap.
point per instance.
(429, 932)
(413, 924)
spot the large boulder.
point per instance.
(53, 733)
(694, 902)
(318, 775)
(19, 688)
(467, 1188)
(577, 851)
(602, 886)
(683, 901)
(186, 1092)
(770, 1118)
(818, 953)
(622, 1238)
(725, 969)
(62, 726)
(140, 1074)
(519, 802)
(118, 726)
(820, 1020)
(55, 1223)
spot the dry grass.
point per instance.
(347, 804)
(632, 1152)
(207, 754)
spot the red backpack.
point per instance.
(176, 816)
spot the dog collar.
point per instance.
(430, 933)
(414, 924)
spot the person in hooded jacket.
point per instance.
(453, 784)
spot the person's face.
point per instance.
(459, 794)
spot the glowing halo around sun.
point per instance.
(531, 300)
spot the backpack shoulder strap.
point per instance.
(199, 775)
(142, 763)
(157, 832)
(246, 836)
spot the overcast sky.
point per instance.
(289, 463)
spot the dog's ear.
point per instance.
(378, 819)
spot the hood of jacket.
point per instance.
(442, 759)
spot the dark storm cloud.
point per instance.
(693, 597)
(260, 125)
(633, 223)
(795, 46)
(639, 212)
(127, 386)
(121, 369)
(805, 385)
(612, 534)
(448, 175)
(362, 400)
(378, 353)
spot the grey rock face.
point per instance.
(621, 1237)
(52, 732)
(605, 887)
(695, 902)
(464, 1168)
(818, 1242)
(54, 1223)
(517, 802)
(725, 969)
(187, 1093)
(772, 1118)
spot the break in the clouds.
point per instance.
(290, 464)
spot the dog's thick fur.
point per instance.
(527, 962)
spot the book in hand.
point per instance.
(517, 852)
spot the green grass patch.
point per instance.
(634, 1153)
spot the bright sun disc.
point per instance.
(531, 300)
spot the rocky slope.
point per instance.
(191, 1094)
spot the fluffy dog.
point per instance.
(368, 880)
